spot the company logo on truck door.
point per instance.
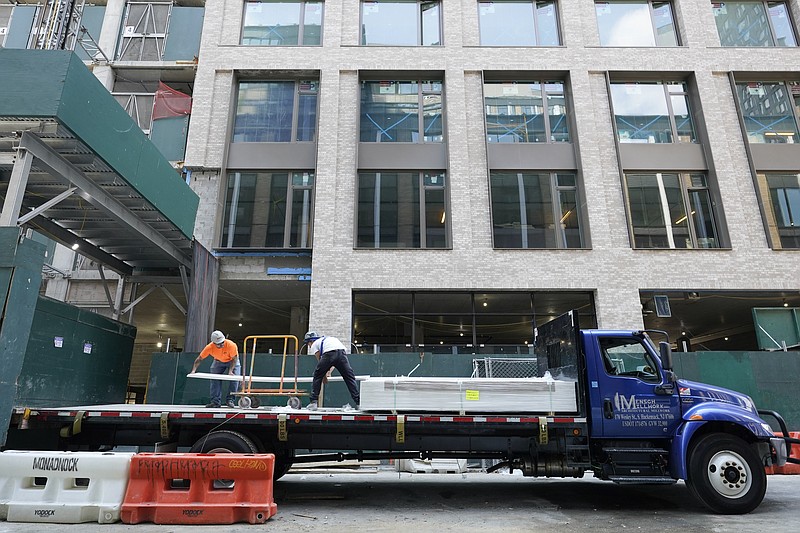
(633, 411)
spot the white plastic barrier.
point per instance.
(62, 487)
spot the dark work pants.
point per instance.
(335, 359)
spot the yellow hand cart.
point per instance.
(249, 396)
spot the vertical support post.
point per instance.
(16, 188)
(118, 297)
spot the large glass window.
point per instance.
(268, 210)
(754, 23)
(525, 112)
(276, 111)
(518, 23)
(401, 23)
(670, 210)
(783, 210)
(636, 23)
(770, 111)
(401, 111)
(402, 210)
(531, 210)
(282, 23)
(652, 112)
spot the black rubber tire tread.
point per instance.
(232, 441)
(701, 453)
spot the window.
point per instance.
(276, 111)
(652, 112)
(636, 23)
(754, 23)
(282, 23)
(671, 211)
(401, 23)
(770, 111)
(402, 210)
(532, 210)
(518, 23)
(401, 111)
(624, 357)
(268, 210)
(783, 211)
(524, 112)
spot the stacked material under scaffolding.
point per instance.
(475, 395)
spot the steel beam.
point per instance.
(16, 188)
(45, 206)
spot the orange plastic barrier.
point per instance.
(199, 488)
(788, 468)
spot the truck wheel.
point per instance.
(725, 474)
(224, 442)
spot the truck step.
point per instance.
(642, 480)
(635, 450)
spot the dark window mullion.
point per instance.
(287, 220)
(672, 123)
(687, 203)
(555, 207)
(546, 112)
(423, 227)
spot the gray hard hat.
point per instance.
(311, 336)
(217, 337)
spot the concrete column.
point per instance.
(112, 21)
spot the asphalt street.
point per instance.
(381, 500)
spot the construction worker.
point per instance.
(330, 353)
(226, 360)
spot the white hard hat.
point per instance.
(217, 337)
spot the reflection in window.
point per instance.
(770, 111)
(652, 112)
(518, 23)
(783, 211)
(636, 23)
(402, 210)
(623, 357)
(282, 23)
(276, 111)
(268, 210)
(522, 112)
(401, 111)
(532, 210)
(401, 23)
(671, 211)
(754, 23)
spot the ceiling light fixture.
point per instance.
(76, 246)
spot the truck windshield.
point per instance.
(627, 357)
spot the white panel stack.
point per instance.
(469, 395)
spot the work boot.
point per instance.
(214, 405)
(231, 405)
(312, 406)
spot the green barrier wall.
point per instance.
(768, 377)
(74, 357)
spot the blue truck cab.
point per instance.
(646, 425)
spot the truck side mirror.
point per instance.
(666, 355)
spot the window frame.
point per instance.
(421, 93)
(421, 175)
(668, 94)
(295, 127)
(536, 31)
(653, 26)
(420, 27)
(545, 107)
(687, 188)
(770, 24)
(770, 209)
(793, 111)
(300, 23)
(228, 231)
(558, 233)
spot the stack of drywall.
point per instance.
(462, 395)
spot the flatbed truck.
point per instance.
(634, 422)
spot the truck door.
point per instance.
(627, 395)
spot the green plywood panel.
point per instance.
(169, 136)
(19, 30)
(776, 327)
(183, 39)
(74, 357)
(49, 83)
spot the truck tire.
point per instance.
(224, 442)
(726, 474)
